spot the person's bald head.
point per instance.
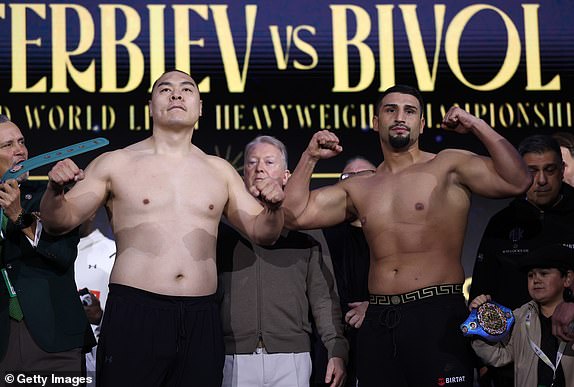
(358, 164)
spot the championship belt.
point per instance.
(50, 157)
(491, 321)
(53, 156)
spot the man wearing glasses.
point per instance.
(413, 211)
(350, 255)
(357, 166)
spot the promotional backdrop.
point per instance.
(74, 70)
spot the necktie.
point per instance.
(14, 309)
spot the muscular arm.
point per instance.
(267, 226)
(504, 174)
(323, 207)
(62, 212)
(261, 223)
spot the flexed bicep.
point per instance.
(483, 176)
(326, 207)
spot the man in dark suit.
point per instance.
(43, 326)
(545, 215)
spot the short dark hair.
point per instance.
(403, 89)
(169, 71)
(566, 140)
(539, 143)
(4, 118)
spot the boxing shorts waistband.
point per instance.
(419, 294)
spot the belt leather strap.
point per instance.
(53, 156)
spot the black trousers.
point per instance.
(415, 344)
(154, 340)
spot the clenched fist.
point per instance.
(324, 145)
(63, 173)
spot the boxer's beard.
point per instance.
(399, 142)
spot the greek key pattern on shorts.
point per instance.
(419, 294)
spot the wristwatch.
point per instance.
(24, 220)
(568, 295)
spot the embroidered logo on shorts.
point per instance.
(450, 380)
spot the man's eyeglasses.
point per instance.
(364, 172)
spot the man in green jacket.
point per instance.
(43, 326)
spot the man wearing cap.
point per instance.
(540, 359)
(544, 214)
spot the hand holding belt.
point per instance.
(51, 157)
(491, 321)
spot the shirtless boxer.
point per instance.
(165, 198)
(414, 213)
